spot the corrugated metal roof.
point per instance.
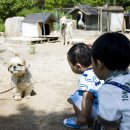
(86, 9)
(39, 17)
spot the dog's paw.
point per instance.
(17, 98)
(27, 97)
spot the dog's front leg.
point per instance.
(17, 94)
(28, 92)
(64, 39)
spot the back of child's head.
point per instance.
(80, 53)
(113, 49)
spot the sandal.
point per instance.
(71, 123)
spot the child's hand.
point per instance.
(81, 120)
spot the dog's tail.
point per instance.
(12, 50)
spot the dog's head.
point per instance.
(63, 21)
(17, 66)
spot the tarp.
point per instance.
(116, 22)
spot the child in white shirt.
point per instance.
(110, 61)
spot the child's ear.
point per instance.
(78, 66)
(100, 64)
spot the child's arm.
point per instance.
(86, 108)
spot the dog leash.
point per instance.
(6, 90)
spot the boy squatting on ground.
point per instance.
(110, 61)
(84, 100)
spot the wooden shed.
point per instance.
(90, 16)
(38, 24)
(111, 18)
(127, 22)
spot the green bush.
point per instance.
(128, 9)
(25, 12)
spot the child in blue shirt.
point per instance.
(84, 100)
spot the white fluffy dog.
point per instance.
(66, 26)
(20, 78)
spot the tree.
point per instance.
(50, 4)
(10, 8)
(93, 2)
(124, 3)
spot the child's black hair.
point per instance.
(80, 53)
(113, 49)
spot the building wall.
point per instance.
(49, 28)
(30, 30)
(51, 25)
(91, 21)
(127, 22)
(13, 26)
(36, 29)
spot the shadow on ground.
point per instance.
(28, 119)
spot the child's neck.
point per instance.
(90, 67)
(87, 68)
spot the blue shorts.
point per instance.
(76, 99)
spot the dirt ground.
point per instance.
(53, 83)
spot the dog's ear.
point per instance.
(8, 66)
(27, 66)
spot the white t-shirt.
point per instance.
(114, 103)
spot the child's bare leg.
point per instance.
(77, 111)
